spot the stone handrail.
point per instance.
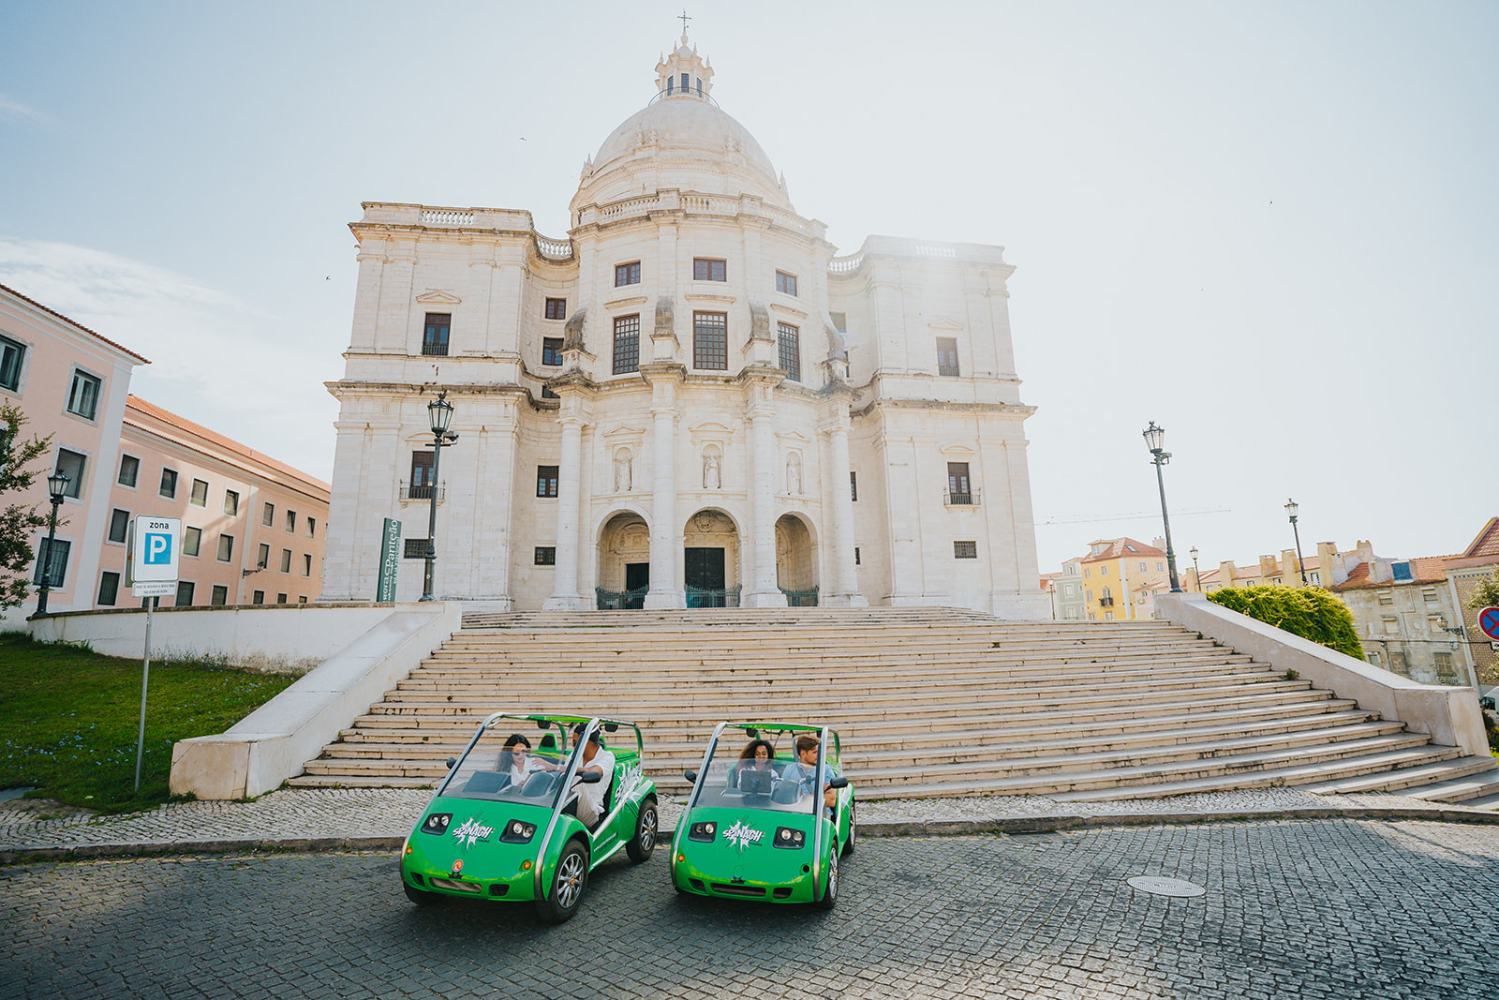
(846, 265)
(446, 217)
(554, 249)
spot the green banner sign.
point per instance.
(390, 552)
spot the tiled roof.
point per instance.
(134, 402)
(1125, 548)
(1484, 549)
(1424, 570)
(73, 323)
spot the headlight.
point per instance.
(517, 832)
(437, 823)
(702, 831)
(789, 838)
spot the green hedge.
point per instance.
(1309, 612)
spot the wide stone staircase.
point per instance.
(928, 702)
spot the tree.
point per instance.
(1309, 612)
(18, 521)
(1486, 594)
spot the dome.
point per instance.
(681, 139)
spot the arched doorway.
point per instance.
(624, 562)
(796, 562)
(710, 560)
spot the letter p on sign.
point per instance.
(158, 549)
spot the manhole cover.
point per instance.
(1156, 885)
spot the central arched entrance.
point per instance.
(796, 562)
(624, 563)
(710, 560)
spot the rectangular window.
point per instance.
(130, 469)
(258, 597)
(306, 564)
(192, 541)
(785, 283)
(291, 520)
(312, 527)
(184, 595)
(435, 331)
(1401, 571)
(551, 351)
(856, 555)
(83, 395)
(710, 341)
(119, 525)
(12, 354)
(1391, 626)
(302, 600)
(546, 480)
(547, 393)
(965, 550)
(199, 495)
(168, 487)
(415, 548)
(789, 350)
(220, 596)
(1443, 663)
(263, 556)
(231, 503)
(853, 485)
(709, 269)
(72, 465)
(1386, 598)
(280, 598)
(627, 274)
(226, 548)
(947, 356)
(1142, 567)
(626, 344)
(546, 555)
(109, 589)
(268, 515)
(1429, 595)
(556, 308)
(958, 489)
(54, 557)
(286, 560)
(421, 475)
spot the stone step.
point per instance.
(1461, 789)
(937, 640)
(1488, 802)
(1407, 778)
(646, 664)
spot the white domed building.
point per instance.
(690, 401)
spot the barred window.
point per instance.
(627, 274)
(965, 550)
(853, 485)
(709, 269)
(414, 548)
(788, 342)
(710, 341)
(556, 309)
(626, 344)
(785, 283)
(435, 334)
(546, 555)
(947, 356)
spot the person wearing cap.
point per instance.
(591, 796)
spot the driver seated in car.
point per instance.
(755, 769)
(591, 796)
(801, 774)
(515, 762)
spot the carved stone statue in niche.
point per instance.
(712, 474)
(794, 475)
(624, 471)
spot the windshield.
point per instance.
(501, 767)
(760, 773)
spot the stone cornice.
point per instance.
(1017, 410)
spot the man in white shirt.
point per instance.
(591, 796)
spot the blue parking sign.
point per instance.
(158, 549)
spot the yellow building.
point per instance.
(1119, 577)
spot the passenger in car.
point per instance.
(755, 770)
(801, 774)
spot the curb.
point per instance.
(918, 828)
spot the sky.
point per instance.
(1269, 227)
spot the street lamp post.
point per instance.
(1291, 508)
(1155, 441)
(440, 413)
(1196, 572)
(57, 485)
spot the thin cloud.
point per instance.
(13, 110)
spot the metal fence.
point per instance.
(699, 597)
(801, 598)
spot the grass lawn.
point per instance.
(68, 719)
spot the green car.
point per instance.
(755, 826)
(503, 825)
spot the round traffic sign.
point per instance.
(1488, 620)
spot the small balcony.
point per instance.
(422, 493)
(1105, 602)
(960, 498)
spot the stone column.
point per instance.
(840, 515)
(565, 596)
(664, 592)
(763, 592)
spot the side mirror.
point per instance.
(839, 782)
(452, 763)
(611, 727)
(590, 777)
(690, 775)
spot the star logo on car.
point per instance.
(743, 835)
(471, 832)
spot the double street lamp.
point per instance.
(1291, 508)
(1155, 441)
(57, 487)
(440, 414)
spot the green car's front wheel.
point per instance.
(647, 828)
(853, 829)
(830, 894)
(568, 883)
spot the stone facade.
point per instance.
(689, 400)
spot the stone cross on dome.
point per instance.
(684, 73)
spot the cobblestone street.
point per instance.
(1332, 908)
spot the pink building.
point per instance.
(254, 526)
